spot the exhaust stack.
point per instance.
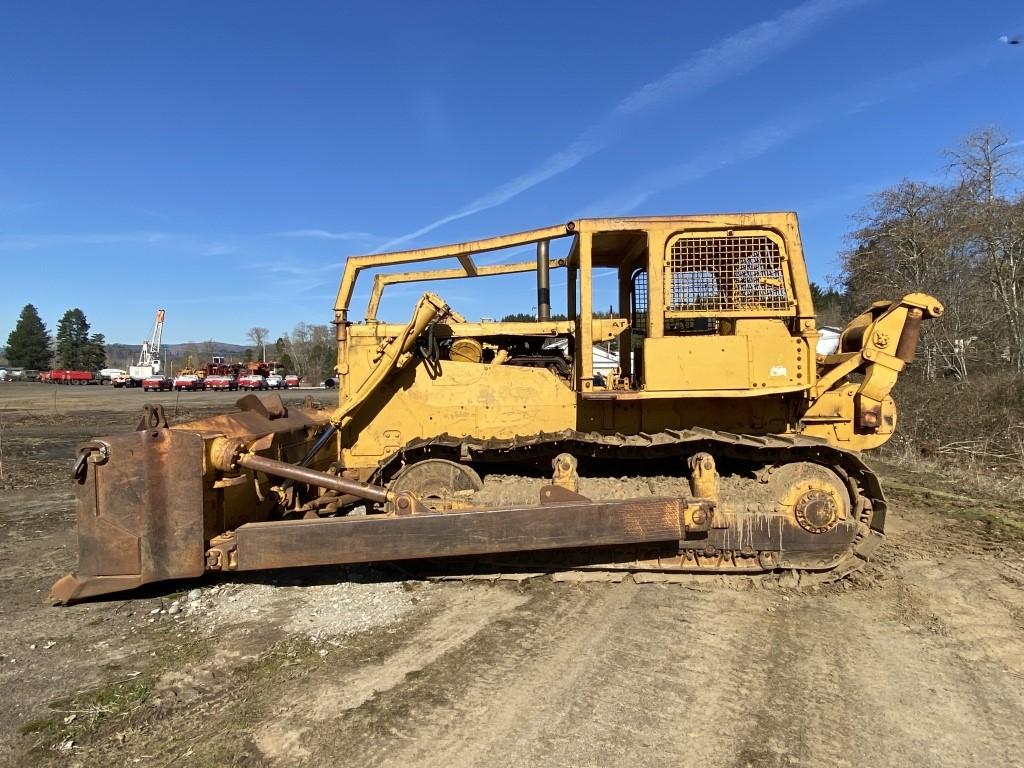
(543, 282)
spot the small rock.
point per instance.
(154, 612)
(195, 595)
(173, 609)
(32, 647)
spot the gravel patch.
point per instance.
(318, 611)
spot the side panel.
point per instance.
(459, 399)
(697, 362)
(771, 414)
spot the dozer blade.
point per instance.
(152, 506)
(479, 532)
(148, 502)
(140, 513)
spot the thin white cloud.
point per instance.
(323, 234)
(297, 270)
(219, 249)
(37, 241)
(799, 120)
(747, 146)
(725, 60)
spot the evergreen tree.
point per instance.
(73, 340)
(523, 317)
(95, 356)
(519, 317)
(832, 307)
(28, 345)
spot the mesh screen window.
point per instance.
(721, 274)
(639, 294)
(673, 325)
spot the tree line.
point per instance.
(30, 344)
(308, 350)
(961, 240)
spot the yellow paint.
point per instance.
(743, 366)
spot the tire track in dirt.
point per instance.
(577, 676)
(651, 685)
(283, 735)
(639, 674)
(914, 672)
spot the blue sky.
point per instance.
(221, 159)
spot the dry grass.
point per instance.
(1002, 480)
(969, 432)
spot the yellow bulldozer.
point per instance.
(718, 377)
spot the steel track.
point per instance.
(766, 450)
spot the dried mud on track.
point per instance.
(917, 661)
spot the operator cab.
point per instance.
(702, 306)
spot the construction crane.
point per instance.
(149, 357)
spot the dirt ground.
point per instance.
(918, 660)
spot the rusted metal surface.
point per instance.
(151, 508)
(153, 417)
(379, 538)
(596, 531)
(438, 485)
(140, 514)
(148, 504)
(906, 347)
(312, 477)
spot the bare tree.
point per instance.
(258, 336)
(311, 350)
(911, 238)
(985, 163)
(963, 242)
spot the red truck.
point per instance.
(225, 382)
(67, 377)
(157, 384)
(252, 381)
(187, 383)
